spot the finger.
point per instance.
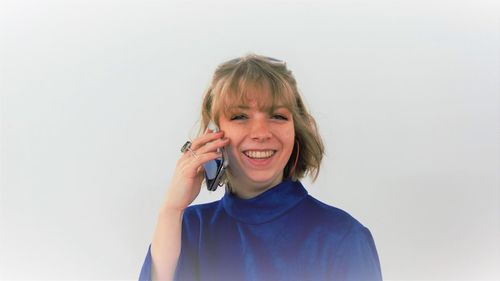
(187, 154)
(190, 166)
(193, 167)
(213, 146)
(206, 138)
(196, 163)
(209, 147)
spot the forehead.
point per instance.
(261, 97)
(253, 105)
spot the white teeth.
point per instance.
(259, 154)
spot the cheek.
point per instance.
(232, 146)
(233, 135)
(289, 137)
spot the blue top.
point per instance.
(282, 234)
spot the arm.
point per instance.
(166, 245)
(357, 258)
(162, 258)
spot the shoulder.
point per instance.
(346, 235)
(201, 209)
(201, 212)
(337, 222)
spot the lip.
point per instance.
(260, 149)
(258, 163)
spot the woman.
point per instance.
(266, 227)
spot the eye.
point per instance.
(238, 117)
(280, 116)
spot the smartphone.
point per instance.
(214, 169)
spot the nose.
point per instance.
(260, 130)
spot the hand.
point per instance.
(188, 176)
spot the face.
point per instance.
(260, 145)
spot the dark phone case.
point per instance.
(213, 184)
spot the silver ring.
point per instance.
(187, 146)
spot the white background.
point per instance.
(98, 96)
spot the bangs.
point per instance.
(249, 83)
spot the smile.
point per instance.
(259, 154)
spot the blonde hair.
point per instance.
(229, 87)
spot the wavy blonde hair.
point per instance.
(229, 87)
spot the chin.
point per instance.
(265, 180)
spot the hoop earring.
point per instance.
(292, 171)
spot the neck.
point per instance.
(248, 190)
(266, 206)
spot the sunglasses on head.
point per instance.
(269, 59)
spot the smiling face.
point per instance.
(261, 140)
(255, 100)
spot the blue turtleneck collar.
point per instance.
(266, 206)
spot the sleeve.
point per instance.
(187, 265)
(356, 258)
(145, 274)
